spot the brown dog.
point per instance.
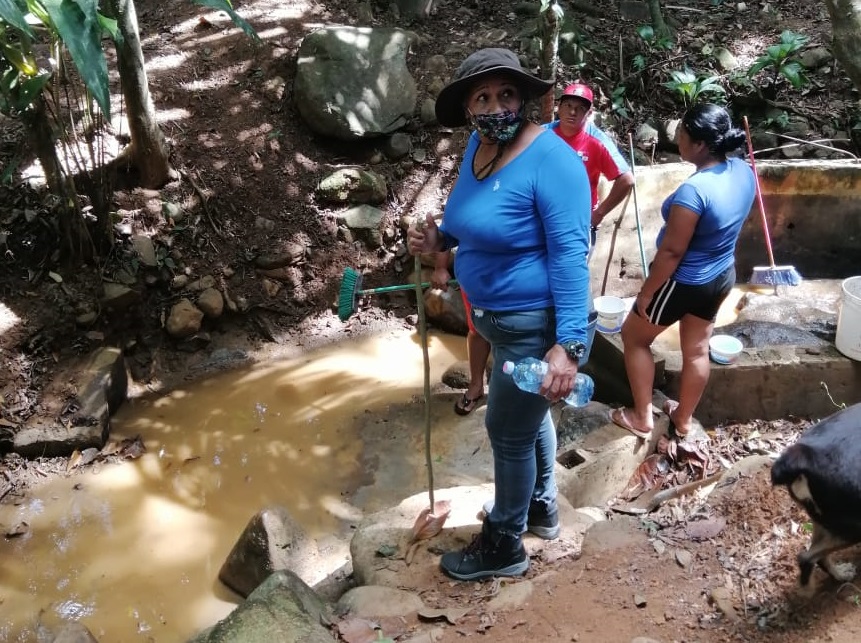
(822, 471)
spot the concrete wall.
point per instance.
(813, 209)
(814, 214)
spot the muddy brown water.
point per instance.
(133, 550)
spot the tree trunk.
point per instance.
(846, 36)
(549, 21)
(149, 151)
(658, 23)
(75, 243)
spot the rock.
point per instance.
(684, 558)
(74, 633)
(196, 342)
(436, 64)
(282, 609)
(397, 147)
(290, 254)
(336, 71)
(445, 310)
(645, 136)
(640, 600)
(262, 223)
(721, 598)
(119, 297)
(202, 284)
(271, 541)
(725, 58)
(364, 221)
(427, 113)
(179, 282)
(354, 185)
(86, 319)
(145, 250)
(211, 303)
(184, 319)
(372, 601)
(635, 10)
(511, 596)
(102, 388)
(815, 58)
(172, 211)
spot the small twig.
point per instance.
(685, 9)
(815, 143)
(203, 201)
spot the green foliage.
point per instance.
(653, 41)
(690, 86)
(617, 99)
(780, 60)
(780, 120)
(78, 27)
(11, 13)
(227, 7)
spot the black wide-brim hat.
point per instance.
(449, 106)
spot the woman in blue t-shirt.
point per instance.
(693, 270)
(519, 216)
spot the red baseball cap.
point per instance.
(580, 91)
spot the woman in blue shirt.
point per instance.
(519, 214)
(693, 270)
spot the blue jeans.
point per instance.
(518, 423)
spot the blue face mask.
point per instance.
(499, 128)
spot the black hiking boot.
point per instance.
(543, 521)
(489, 554)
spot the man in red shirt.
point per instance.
(598, 151)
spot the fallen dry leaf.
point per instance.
(357, 630)
(450, 614)
(74, 460)
(429, 523)
(705, 529)
(132, 448)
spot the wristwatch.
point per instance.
(575, 350)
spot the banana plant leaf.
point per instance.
(226, 7)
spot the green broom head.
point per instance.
(348, 298)
(775, 276)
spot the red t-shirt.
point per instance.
(598, 152)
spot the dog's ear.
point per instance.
(794, 461)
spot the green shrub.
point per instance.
(780, 60)
(690, 86)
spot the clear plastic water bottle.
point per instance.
(528, 373)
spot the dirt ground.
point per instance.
(242, 146)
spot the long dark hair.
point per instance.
(712, 125)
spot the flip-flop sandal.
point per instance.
(466, 404)
(619, 418)
(669, 408)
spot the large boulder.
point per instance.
(353, 82)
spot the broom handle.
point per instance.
(637, 209)
(374, 291)
(758, 193)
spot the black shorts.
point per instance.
(673, 300)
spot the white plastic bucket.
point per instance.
(848, 338)
(611, 313)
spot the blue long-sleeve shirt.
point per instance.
(523, 234)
